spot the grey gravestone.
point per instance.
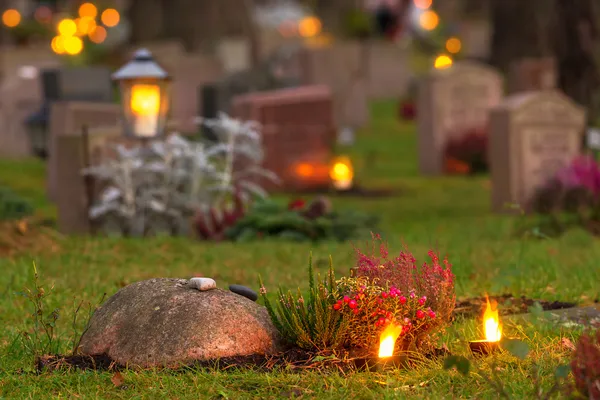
(78, 84)
(277, 72)
(90, 84)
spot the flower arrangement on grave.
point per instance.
(158, 189)
(467, 152)
(570, 198)
(353, 312)
(300, 221)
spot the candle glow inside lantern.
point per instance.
(492, 330)
(145, 95)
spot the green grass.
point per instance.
(449, 214)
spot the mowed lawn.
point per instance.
(450, 214)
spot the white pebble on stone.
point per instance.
(202, 284)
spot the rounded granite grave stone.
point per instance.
(168, 323)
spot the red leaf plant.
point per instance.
(296, 204)
(471, 148)
(396, 290)
(212, 225)
(585, 366)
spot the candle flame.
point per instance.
(387, 340)
(342, 173)
(145, 99)
(491, 322)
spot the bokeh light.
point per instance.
(305, 170)
(443, 61)
(453, 45)
(11, 18)
(422, 4)
(88, 10)
(110, 17)
(85, 25)
(67, 27)
(43, 14)
(309, 27)
(73, 45)
(58, 44)
(429, 20)
(98, 35)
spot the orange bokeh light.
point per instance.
(110, 17)
(88, 10)
(98, 35)
(453, 45)
(309, 27)
(429, 20)
(11, 18)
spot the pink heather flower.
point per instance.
(420, 314)
(352, 304)
(346, 299)
(412, 295)
(402, 299)
(431, 314)
(422, 300)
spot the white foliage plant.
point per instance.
(157, 187)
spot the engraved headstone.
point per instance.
(451, 102)
(532, 136)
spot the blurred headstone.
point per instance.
(298, 131)
(451, 102)
(533, 135)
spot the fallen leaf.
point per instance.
(566, 343)
(117, 379)
(22, 227)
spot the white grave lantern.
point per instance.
(145, 95)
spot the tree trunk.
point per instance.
(519, 31)
(576, 37)
(146, 20)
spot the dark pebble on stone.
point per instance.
(244, 291)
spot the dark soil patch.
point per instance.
(80, 362)
(292, 359)
(355, 191)
(507, 305)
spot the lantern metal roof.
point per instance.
(141, 66)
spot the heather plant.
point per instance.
(433, 281)
(369, 308)
(311, 323)
(585, 366)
